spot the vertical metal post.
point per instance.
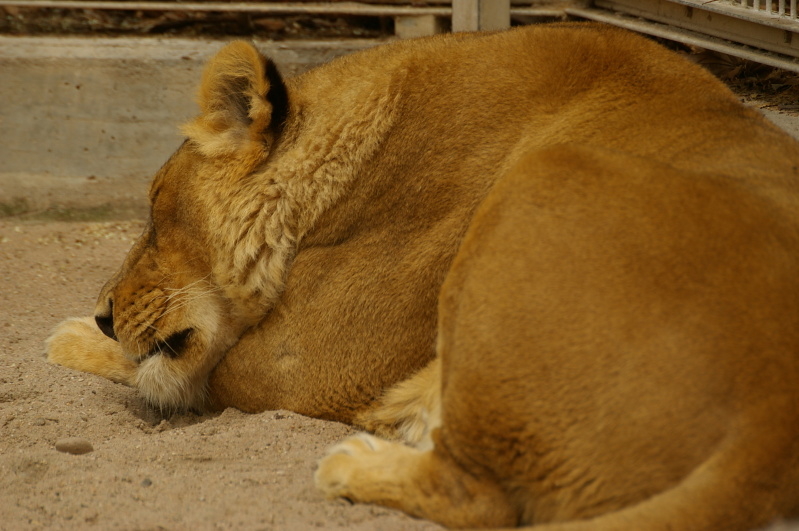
(480, 15)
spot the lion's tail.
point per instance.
(745, 485)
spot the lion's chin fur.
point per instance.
(168, 388)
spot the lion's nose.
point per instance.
(106, 322)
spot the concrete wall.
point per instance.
(85, 122)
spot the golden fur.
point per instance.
(603, 240)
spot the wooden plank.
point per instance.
(409, 27)
(441, 8)
(480, 15)
(275, 8)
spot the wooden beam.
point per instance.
(275, 8)
(409, 27)
(480, 15)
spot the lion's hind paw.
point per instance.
(361, 467)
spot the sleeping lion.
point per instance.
(558, 266)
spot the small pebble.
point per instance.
(74, 445)
(147, 482)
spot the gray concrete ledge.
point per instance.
(787, 121)
(85, 122)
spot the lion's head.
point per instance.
(227, 211)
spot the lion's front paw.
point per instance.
(80, 345)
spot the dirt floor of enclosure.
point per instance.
(145, 471)
(227, 471)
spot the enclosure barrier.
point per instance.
(410, 21)
(760, 30)
(765, 31)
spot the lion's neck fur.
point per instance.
(266, 215)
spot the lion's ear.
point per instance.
(243, 100)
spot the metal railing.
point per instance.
(768, 7)
(763, 11)
(766, 31)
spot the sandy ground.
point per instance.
(226, 471)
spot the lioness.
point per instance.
(618, 244)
